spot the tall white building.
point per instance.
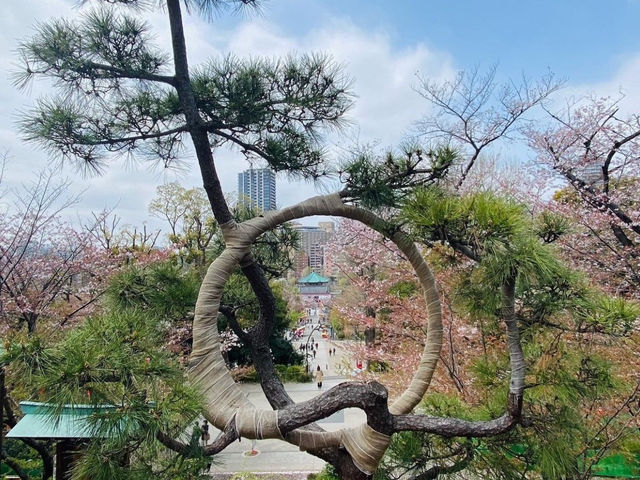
(258, 187)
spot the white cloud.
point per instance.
(382, 76)
(382, 79)
(623, 81)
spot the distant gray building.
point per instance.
(312, 241)
(258, 188)
(590, 173)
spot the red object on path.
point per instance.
(359, 364)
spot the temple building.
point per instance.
(314, 289)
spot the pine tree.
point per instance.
(119, 95)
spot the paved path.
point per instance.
(277, 455)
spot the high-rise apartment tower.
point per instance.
(257, 186)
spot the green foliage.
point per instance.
(476, 221)
(603, 313)
(564, 381)
(238, 292)
(163, 290)
(31, 466)
(292, 151)
(550, 226)
(70, 51)
(117, 358)
(293, 373)
(337, 323)
(27, 357)
(123, 100)
(415, 453)
(253, 476)
(166, 292)
(287, 373)
(113, 357)
(496, 233)
(327, 473)
(549, 447)
(107, 460)
(404, 289)
(502, 239)
(192, 225)
(565, 378)
(275, 107)
(297, 374)
(382, 182)
(271, 250)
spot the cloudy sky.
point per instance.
(383, 46)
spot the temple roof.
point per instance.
(43, 420)
(313, 277)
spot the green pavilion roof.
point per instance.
(42, 420)
(313, 277)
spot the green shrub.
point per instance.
(281, 370)
(327, 473)
(245, 374)
(291, 373)
(297, 374)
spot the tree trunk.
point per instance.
(226, 403)
(41, 447)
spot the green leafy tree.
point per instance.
(190, 220)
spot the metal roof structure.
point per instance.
(44, 420)
(313, 277)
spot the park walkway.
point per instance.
(279, 457)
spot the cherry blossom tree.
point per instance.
(52, 275)
(457, 232)
(47, 268)
(473, 112)
(595, 149)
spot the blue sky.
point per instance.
(582, 40)
(593, 45)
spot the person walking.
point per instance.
(319, 376)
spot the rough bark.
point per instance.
(195, 125)
(259, 336)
